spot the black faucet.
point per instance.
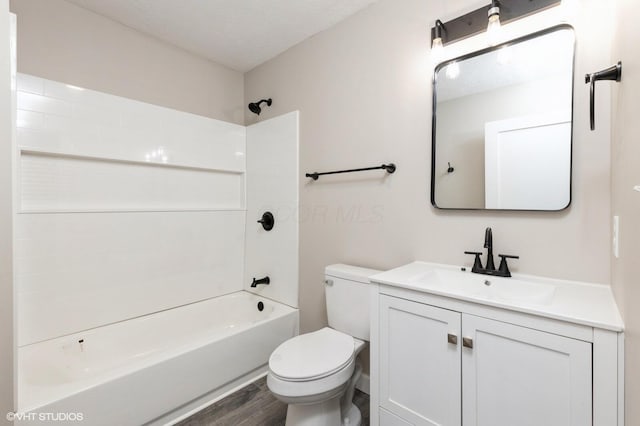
(264, 281)
(488, 244)
(502, 271)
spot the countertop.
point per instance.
(575, 302)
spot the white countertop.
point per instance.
(576, 302)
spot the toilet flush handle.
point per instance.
(328, 282)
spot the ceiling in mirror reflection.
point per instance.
(534, 59)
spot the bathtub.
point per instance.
(153, 369)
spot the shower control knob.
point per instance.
(267, 221)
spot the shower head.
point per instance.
(254, 107)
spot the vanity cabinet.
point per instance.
(444, 367)
(454, 348)
(514, 375)
(420, 371)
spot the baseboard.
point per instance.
(363, 383)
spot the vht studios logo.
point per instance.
(45, 417)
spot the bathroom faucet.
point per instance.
(488, 244)
(264, 281)
(502, 271)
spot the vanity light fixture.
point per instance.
(494, 29)
(437, 49)
(498, 13)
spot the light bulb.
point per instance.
(437, 50)
(494, 30)
(453, 70)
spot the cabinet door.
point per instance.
(420, 362)
(518, 376)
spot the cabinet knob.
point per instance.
(467, 342)
(452, 338)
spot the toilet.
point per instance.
(316, 373)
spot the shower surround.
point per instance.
(127, 211)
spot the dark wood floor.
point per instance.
(254, 405)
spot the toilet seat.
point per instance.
(312, 356)
(311, 391)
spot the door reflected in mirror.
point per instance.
(502, 126)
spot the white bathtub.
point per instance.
(154, 368)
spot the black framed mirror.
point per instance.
(502, 125)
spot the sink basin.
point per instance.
(485, 286)
(582, 303)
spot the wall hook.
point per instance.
(450, 169)
(267, 221)
(612, 73)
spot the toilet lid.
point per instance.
(312, 355)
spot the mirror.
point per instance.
(502, 126)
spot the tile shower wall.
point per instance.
(123, 208)
(272, 185)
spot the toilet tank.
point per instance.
(348, 298)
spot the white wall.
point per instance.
(625, 169)
(363, 91)
(272, 185)
(64, 42)
(7, 346)
(124, 208)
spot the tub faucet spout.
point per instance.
(264, 281)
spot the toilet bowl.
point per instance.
(316, 373)
(312, 373)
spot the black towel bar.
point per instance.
(390, 168)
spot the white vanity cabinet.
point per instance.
(514, 375)
(510, 375)
(448, 360)
(419, 369)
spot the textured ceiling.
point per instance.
(240, 34)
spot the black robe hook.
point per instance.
(450, 169)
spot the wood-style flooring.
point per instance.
(254, 405)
